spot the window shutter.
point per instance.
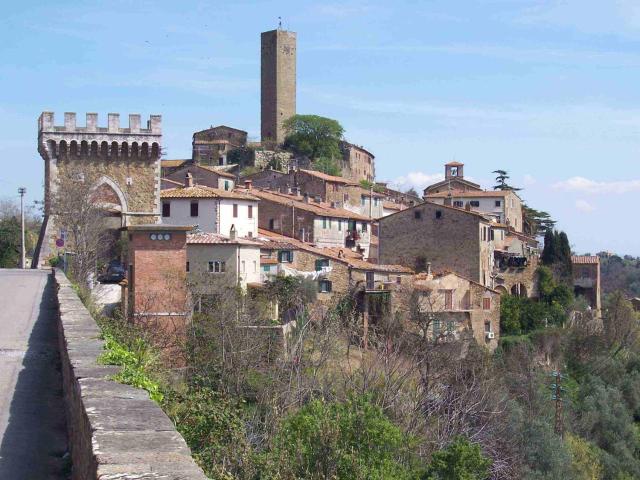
(318, 265)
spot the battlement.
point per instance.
(46, 123)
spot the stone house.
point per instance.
(586, 280)
(213, 210)
(357, 163)
(226, 260)
(156, 259)
(204, 175)
(453, 180)
(448, 238)
(503, 205)
(212, 145)
(516, 262)
(169, 166)
(391, 195)
(459, 306)
(314, 221)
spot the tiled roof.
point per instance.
(481, 216)
(328, 178)
(322, 209)
(454, 164)
(201, 191)
(347, 256)
(206, 238)
(582, 259)
(173, 163)
(217, 170)
(392, 205)
(471, 194)
(423, 277)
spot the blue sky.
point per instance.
(547, 90)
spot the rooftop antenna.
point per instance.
(279, 23)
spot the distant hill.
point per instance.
(620, 273)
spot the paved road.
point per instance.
(32, 424)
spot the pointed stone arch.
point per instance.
(105, 181)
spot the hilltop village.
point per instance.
(245, 213)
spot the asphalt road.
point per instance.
(32, 424)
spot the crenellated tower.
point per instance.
(125, 160)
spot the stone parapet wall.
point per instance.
(115, 431)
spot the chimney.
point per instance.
(306, 198)
(317, 199)
(248, 184)
(429, 274)
(232, 232)
(188, 180)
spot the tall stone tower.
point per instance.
(278, 83)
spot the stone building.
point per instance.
(337, 191)
(448, 238)
(459, 307)
(453, 180)
(311, 220)
(211, 146)
(586, 280)
(278, 83)
(357, 163)
(125, 161)
(503, 205)
(202, 175)
(516, 263)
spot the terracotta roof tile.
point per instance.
(173, 163)
(201, 191)
(328, 178)
(206, 238)
(470, 194)
(322, 209)
(584, 259)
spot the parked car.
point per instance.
(115, 273)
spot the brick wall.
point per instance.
(115, 431)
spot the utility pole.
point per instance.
(22, 191)
(556, 395)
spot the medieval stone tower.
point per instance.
(125, 162)
(278, 83)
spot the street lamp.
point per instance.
(22, 191)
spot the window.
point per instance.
(417, 214)
(339, 225)
(322, 262)
(324, 286)
(217, 267)
(484, 234)
(285, 256)
(487, 326)
(436, 328)
(458, 204)
(324, 222)
(194, 209)
(187, 266)
(364, 227)
(474, 203)
(362, 200)
(449, 326)
(250, 234)
(438, 214)
(250, 211)
(271, 224)
(375, 201)
(166, 209)
(498, 203)
(486, 303)
(226, 184)
(448, 299)
(235, 210)
(398, 280)
(220, 160)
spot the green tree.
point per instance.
(585, 458)
(501, 181)
(536, 222)
(327, 165)
(314, 136)
(461, 460)
(9, 242)
(340, 440)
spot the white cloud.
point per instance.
(584, 206)
(592, 187)
(416, 180)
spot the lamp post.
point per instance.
(22, 191)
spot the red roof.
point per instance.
(582, 259)
(454, 164)
(206, 238)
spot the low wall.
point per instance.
(115, 431)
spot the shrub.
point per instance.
(461, 460)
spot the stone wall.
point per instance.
(115, 431)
